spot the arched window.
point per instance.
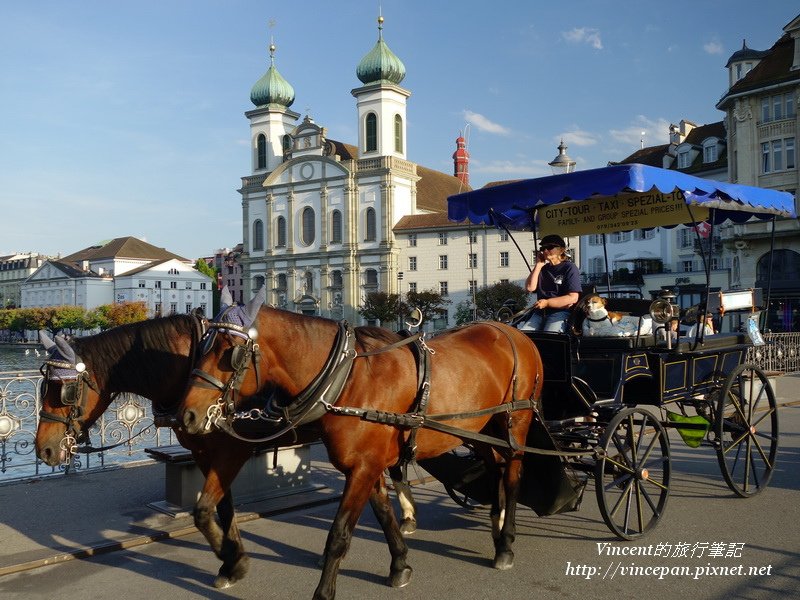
(372, 132)
(258, 282)
(280, 234)
(261, 154)
(258, 235)
(336, 227)
(398, 134)
(370, 225)
(336, 279)
(371, 278)
(281, 285)
(307, 231)
(785, 267)
(287, 145)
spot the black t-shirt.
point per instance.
(558, 280)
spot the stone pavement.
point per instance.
(60, 518)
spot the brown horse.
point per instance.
(152, 359)
(485, 377)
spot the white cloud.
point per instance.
(484, 124)
(577, 137)
(713, 47)
(656, 131)
(584, 35)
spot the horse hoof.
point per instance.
(222, 582)
(408, 526)
(400, 578)
(504, 560)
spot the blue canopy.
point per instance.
(512, 204)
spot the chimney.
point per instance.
(461, 161)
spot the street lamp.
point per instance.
(399, 300)
(562, 163)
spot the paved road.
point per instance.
(742, 548)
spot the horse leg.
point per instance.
(359, 485)
(503, 554)
(408, 524)
(399, 571)
(224, 538)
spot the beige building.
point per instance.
(761, 120)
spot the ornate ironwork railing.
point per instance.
(127, 425)
(781, 353)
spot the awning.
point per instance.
(513, 204)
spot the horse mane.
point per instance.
(135, 357)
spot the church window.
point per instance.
(258, 235)
(371, 278)
(371, 133)
(261, 157)
(370, 224)
(287, 145)
(280, 234)
(398, 133)
(336, 227)
(258, 282)
(307, 230)
(336, 279)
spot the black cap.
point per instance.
(553, 240)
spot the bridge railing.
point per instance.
(127, 425)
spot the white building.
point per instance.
(325, 223)
(14, 270)
(121, 270)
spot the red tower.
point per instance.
(461, 161)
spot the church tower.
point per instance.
(271, 121)
(381, 102)
(461, 161)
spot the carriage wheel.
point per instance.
(462, 499)
(632, 475)
(746, 429)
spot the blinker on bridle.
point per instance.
(73, 394)
(241, 356)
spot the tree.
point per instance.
(380, 306)
(430, 303)
(490, 299)
(126, 312)
(68, 317)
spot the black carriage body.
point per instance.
(585, 372)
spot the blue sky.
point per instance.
(127, 118)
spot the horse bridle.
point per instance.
(74, 389)
(241, 357)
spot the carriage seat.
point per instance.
(712, 342)
(634, 307)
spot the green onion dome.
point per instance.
(272, 88)
(381, 64)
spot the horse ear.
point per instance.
(64, 348)
(255, 304)
(45, 340)
(225, 298)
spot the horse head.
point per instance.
(223, 370)
(68, 400)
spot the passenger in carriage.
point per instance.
(557, 283)
(708, 327)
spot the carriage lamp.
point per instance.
(664, 311)
(562, 163)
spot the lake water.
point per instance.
(13, 358)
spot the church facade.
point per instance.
(326, 222)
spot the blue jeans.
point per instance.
(547, 321)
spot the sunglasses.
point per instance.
(549, 246)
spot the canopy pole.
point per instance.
(605, 258)
(504, 228)
(700, 326)
(769, 273)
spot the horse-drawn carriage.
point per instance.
(551, 407)
(620, 393)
